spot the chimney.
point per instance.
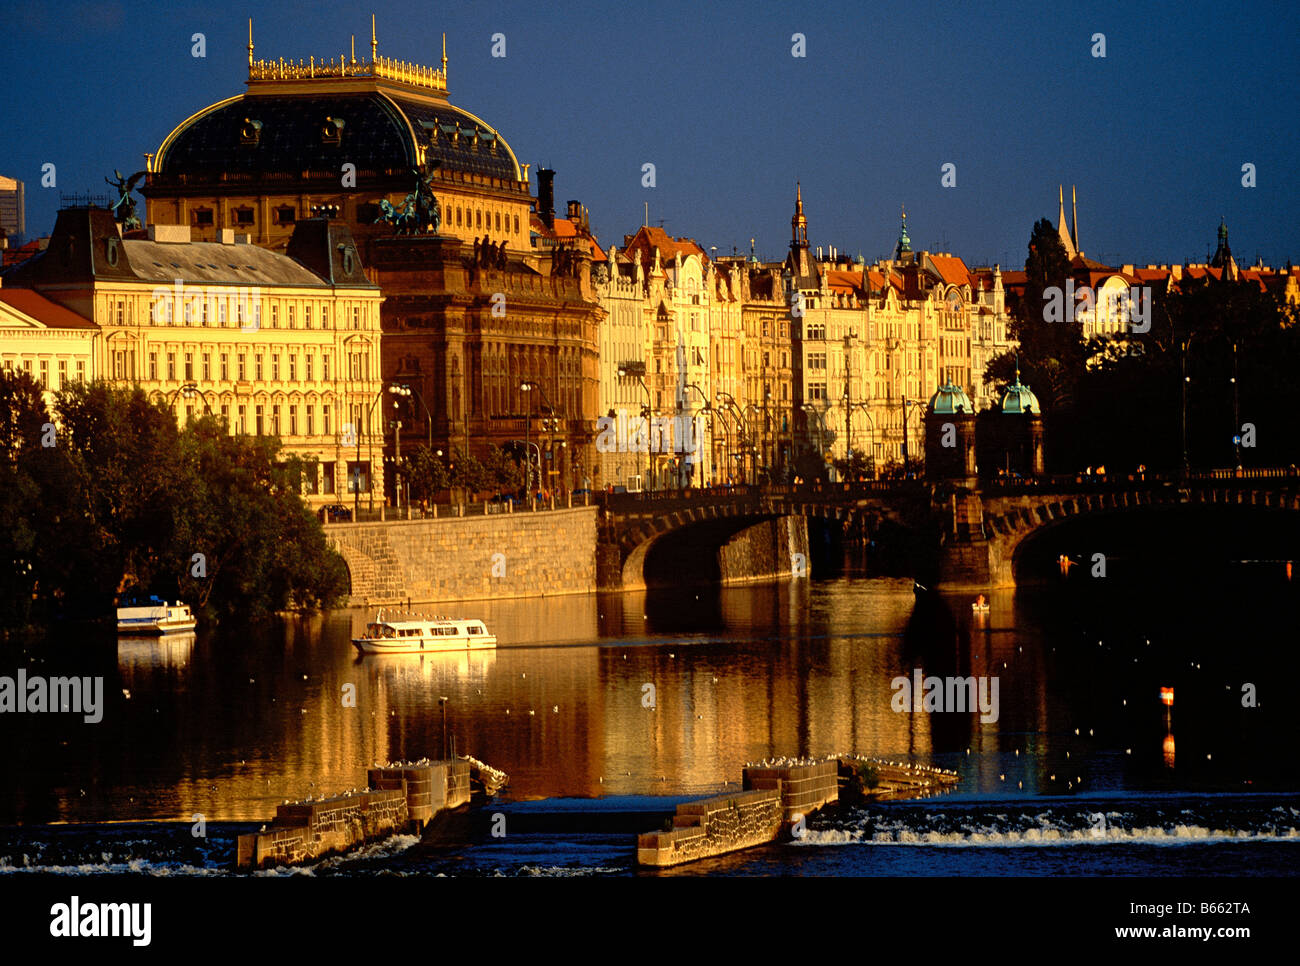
(575, 212)
(546, 196)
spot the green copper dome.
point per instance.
(1019, 399)
(950, 400)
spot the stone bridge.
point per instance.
(974, 534)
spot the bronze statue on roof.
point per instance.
(124, 208)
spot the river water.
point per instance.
(605, 708)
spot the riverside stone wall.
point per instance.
(499, 555)
(765, 551)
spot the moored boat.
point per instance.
(154, 616)
(421, 633)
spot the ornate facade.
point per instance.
(275, 345)
(482, 295)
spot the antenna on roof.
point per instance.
(645, 222)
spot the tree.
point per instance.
(469, 473)
(506, 474)
(125, 503)
(856, 467)
(427, 473)
(1051, 353)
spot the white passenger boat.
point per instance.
(154, 616)
(420, 633)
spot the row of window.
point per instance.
(239, 309)
(40, 371)
(194, 366)
(358, 366)
(261, 426)
(286, 215)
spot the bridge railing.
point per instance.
(749, 495)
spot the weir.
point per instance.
(402, 797)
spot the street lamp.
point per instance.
(871, 433)
(821, 430)
(548, 425)
(189, 390)
(743, 434)
(706, 408)
(1187, 466)
(637, 371)
(407, 390)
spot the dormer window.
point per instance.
(331, 131)
(243, 216)
(285, 215)
(250, 132)
(202, 217)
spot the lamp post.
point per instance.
(1236, 413)
(528, 458)
(743, 434)
(550, 427)
(407, 390)
(1187, 466)
(821, 431)
(637, 371)
(189, 390)
(848, 399)
(871, 434)
(707, 408)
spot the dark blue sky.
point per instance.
(1154, 135)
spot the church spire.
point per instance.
(904, 246)
(1223, 256)
(1062, 229)
(798, 224)
(1074, 218)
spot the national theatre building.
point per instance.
(477, 300)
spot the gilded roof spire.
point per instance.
(354, 48)
(250, 41)
(444, 56)
(374, 44)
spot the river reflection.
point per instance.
(650, 693)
